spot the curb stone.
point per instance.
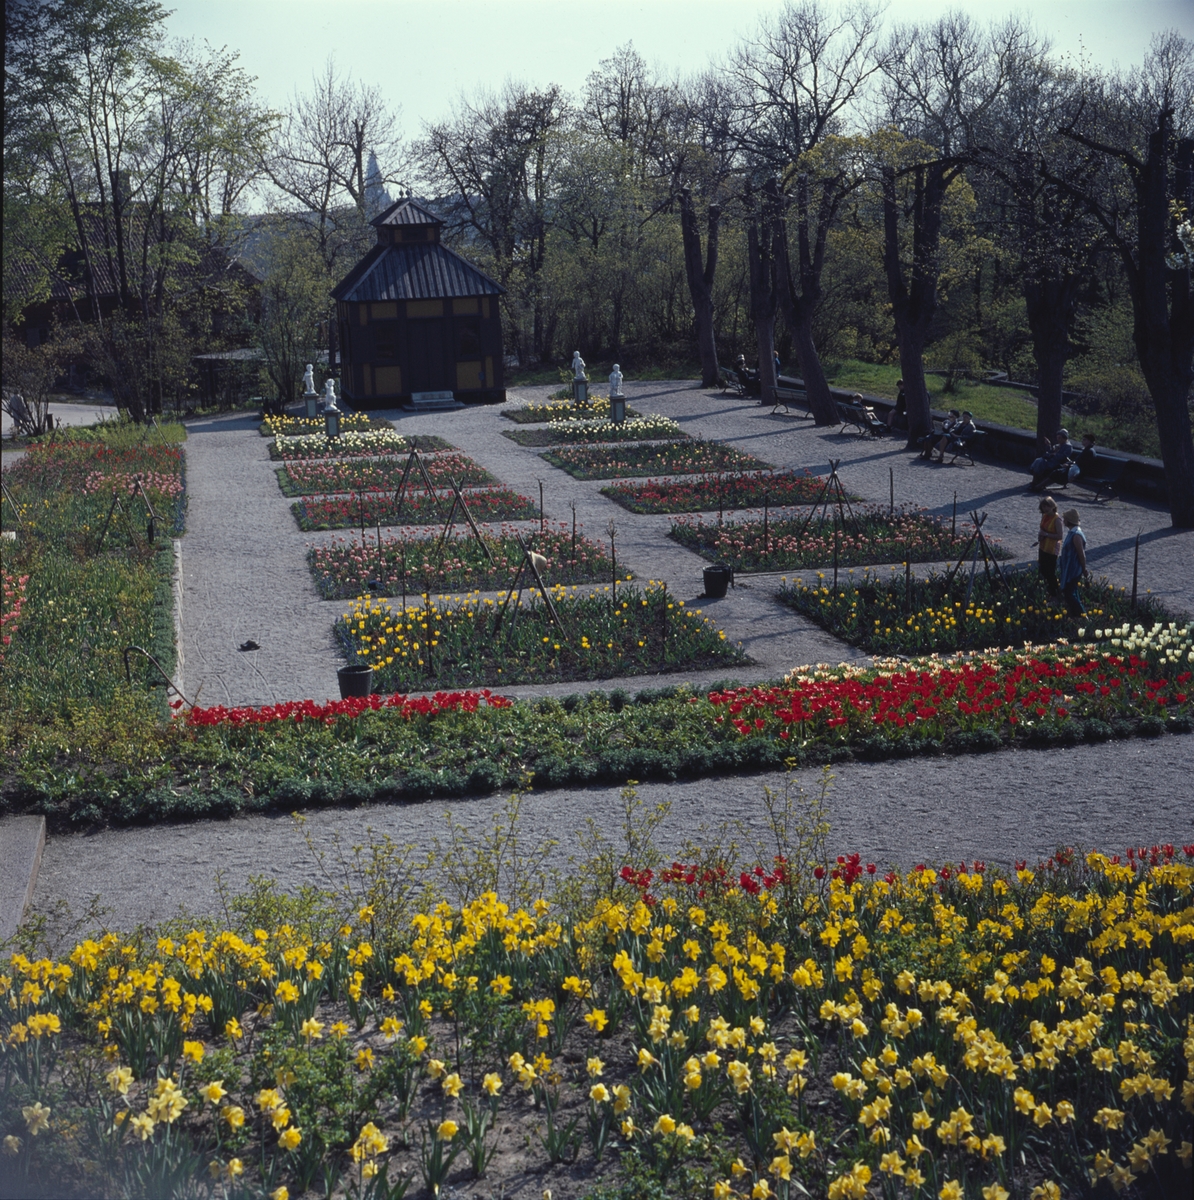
(22, 840)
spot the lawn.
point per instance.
(669, 458)
(872, 535)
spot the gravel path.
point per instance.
(245, 577)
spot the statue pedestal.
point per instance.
(617, 409)
(580, 393)
(309, 399)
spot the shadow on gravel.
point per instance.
(1106, 549)
(223, 424)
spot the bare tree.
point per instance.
(1140, 131)
(793, 85)
(494, 164)
(940, 84)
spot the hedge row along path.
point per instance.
(245, 577)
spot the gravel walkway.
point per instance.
(245, 577)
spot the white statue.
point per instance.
(329, 393)
(615, 381)
(309, 381)
(578, 366)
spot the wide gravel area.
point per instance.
(245, 578)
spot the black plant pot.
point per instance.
(717, 578)
(356, 680)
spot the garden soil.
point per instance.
(245, 579)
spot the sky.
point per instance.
(422, 53)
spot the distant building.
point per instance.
(377, 199)
(416, 317)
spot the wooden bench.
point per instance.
(1108, 473)
(860, 417)
(789, 397)
(730, 382)
(963, 447)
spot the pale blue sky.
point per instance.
(423, 52)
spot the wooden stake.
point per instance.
(891, 485)
(953, 529)
(908, 586)
(766, 506)
(836, 544)
(540, 505)
(574, 532)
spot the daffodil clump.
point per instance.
(507, 639)
(650, 427)
(953, 1032)
(890, 615)
(274, 426)
(562, 410)
(351, 443)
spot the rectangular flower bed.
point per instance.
(368, 444)
(875, 536)
(273, 427)
(368, 509)
(748, 1023)
(713, 492)
(378, 474)
(345, 569)
(666, 458)
(447, 643)
(885, 616)
(639, 429)
(562, 410)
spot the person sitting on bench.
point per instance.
(1087, 465)
(1055, 456)
(928, 441)
(958, 435)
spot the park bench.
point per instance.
(860, 417)
(963, 446)
(730, 382)
(789, 397)
(1105, 477)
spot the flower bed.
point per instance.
(638, 429)
(670, 458)
(378, 474)
(790, 1027)
(350, 444)
(298, 711)
(888, 617)
(708, 492)
(344, 569)
(84, 581)
(13, 587)
(875, 536)
(562, 410)
(418, 508)
(110, 768)
(273, 427)
(460, 642)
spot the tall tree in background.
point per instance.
(941, 83)
(1140, 130)
(496, 161)
(793, 85)
(131, 140)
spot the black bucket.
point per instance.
(717, 578)
(356, 680)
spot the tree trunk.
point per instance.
(762, 242)
(1163, 313)
(1050, 304)
(700, 281)
(820, 398)
(914, 296)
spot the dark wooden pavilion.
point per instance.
(415, 318)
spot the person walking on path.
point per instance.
(1072, 565)
(1048, 542)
